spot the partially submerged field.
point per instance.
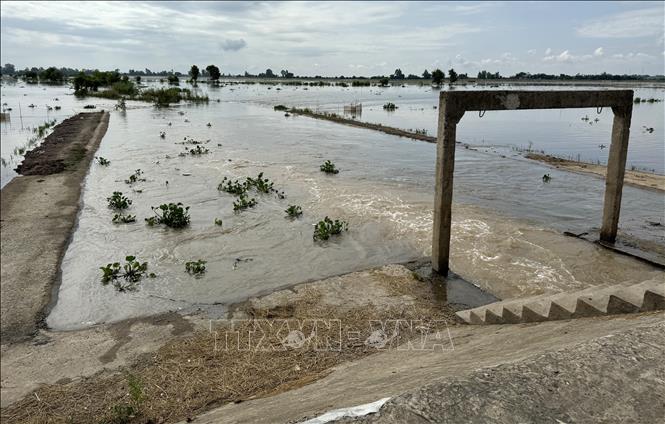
(150, 353)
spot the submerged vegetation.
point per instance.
(172, 215)
(131, 272)
(118, 202)
(135, 177)
(326, 228)
(293, 211)
(243, 203)
(329, 168)
(196, 268)
(102, 161)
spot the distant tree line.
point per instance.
(213, 73)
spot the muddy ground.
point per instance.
(38, 215)
(174, 372)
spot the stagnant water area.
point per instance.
(507, 221)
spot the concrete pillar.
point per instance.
(616, 168)
(449, 116)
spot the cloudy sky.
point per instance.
(338, 38)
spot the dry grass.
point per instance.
(188, 376)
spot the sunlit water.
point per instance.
(506, 230)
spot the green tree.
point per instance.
(437, 76)
(426, 74)
(194, 73)
(452, 76)
(51, 74)
(173, 79)
(384, 82)
(213, 71)
(398, 75)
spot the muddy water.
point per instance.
(18, 131)
(506, 221)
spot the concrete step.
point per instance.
(594, 301)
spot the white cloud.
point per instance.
(532, 51)
(598, 52)
(548, 51)
(635, 23)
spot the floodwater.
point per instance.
(506, 230)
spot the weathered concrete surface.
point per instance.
(610, 379)
(394, 372)
(38, 213)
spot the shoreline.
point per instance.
(638, 179)
(39, 212)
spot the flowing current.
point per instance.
(507, 222)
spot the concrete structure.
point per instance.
(453, 105)
(616, 299)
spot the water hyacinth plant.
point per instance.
(196, 268)
(329, 168)
(218, 222)
(232, 186)
(293, 211)
(131, 272)
(326, 228)
(118, 202)
(172, 215)
(262, 185)
(243, 203)
(123, 219)
(102, 161)
(135, 177)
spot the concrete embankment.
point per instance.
(39, 211)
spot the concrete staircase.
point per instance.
(595, 301)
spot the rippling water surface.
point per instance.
(506, 229)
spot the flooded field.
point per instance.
(507, 222)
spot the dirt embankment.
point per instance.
(352, 122)
(38, 213)
(634, 178)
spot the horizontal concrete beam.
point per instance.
(460, 101)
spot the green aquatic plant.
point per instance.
(329, 168)
(281, 108)
(232, 186)
(131, 272)
(118, 201)
(218, 222)
(198, 150)
(102, 161)
(546, 178)
(123, 219)
(293, 211)
(389, 106)
(135, 177)
(172, 215)
(262, 185)
(243, 203)
(326, 228)
(196, 268)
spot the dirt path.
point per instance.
(38, 213)
(333, 117)
(633, 178)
